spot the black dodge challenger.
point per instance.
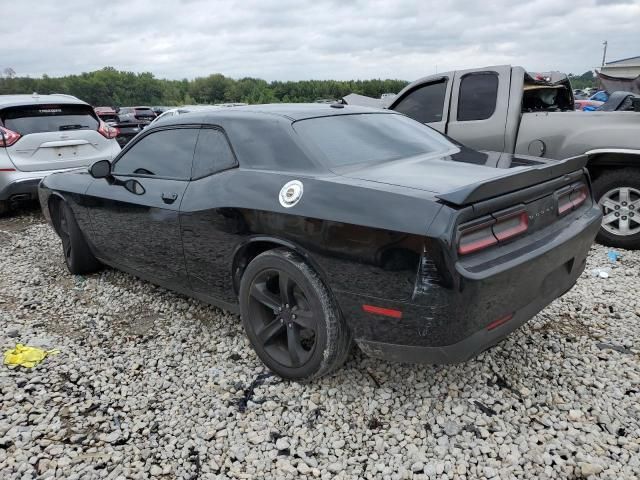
(325, 224)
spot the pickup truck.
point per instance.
(507, 109)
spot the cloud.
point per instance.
(301, 39)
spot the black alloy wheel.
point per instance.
(282, 318)
(290, 317)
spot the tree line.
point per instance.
(111, 87)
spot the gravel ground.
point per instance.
(150, 384)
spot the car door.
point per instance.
(211, 228)
(138, 229)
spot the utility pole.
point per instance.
(604, 53)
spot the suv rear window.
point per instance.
(370, 138)
(48, 118)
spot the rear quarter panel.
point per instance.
(359, 238)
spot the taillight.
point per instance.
(8, 137)
(476, 235)
(490, 230)
(107, 131)
(510, 224)
(571, 198)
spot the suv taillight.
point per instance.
(8, 137)
(107, 131)
(492, 229)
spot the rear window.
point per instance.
(424, 104)
(48, 118)
(478, 96)
(370, 138)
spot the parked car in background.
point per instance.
(130, 121)
(507, 109)
(107, 114)
(593, 102)
(42, 134)
(587, 105)
(136, 115)
(620, 102)
(193, 108)
(181, 111)
(158, 110)
(323, 223)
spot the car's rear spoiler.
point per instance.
(512, 181)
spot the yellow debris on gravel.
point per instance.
(26, 356)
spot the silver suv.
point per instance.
(42, 134)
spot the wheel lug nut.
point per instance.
(617, 214)
(624, 204)
(617, 207)
(282, 320)
(294, 317)
(291, 325)
(624, 217)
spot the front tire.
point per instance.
(290, 317)
(618, 194)
(77, 254)
(4, 208)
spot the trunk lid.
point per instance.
(469, 176)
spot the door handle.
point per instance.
(169, 197)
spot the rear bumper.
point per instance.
(19, 185)
(461, 351)
(450, 325)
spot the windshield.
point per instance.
(48, 118)
(370, 138)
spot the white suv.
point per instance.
(42, 134)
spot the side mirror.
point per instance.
(100, 169)
(134, 187)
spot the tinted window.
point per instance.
(424, 104)
(48, 118)
(478, 96)
(166, 153)
(351, 139)
(213, 153)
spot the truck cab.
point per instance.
(507, 109)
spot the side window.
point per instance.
(165, 153)
(213, 153)
(424, 104)
(478, 96)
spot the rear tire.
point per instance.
(77, 254)
(291, 318)
(618, 194)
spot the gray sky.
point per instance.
(301, 39)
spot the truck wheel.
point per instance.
(77, 254)
(618, 194)
(290, 317)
